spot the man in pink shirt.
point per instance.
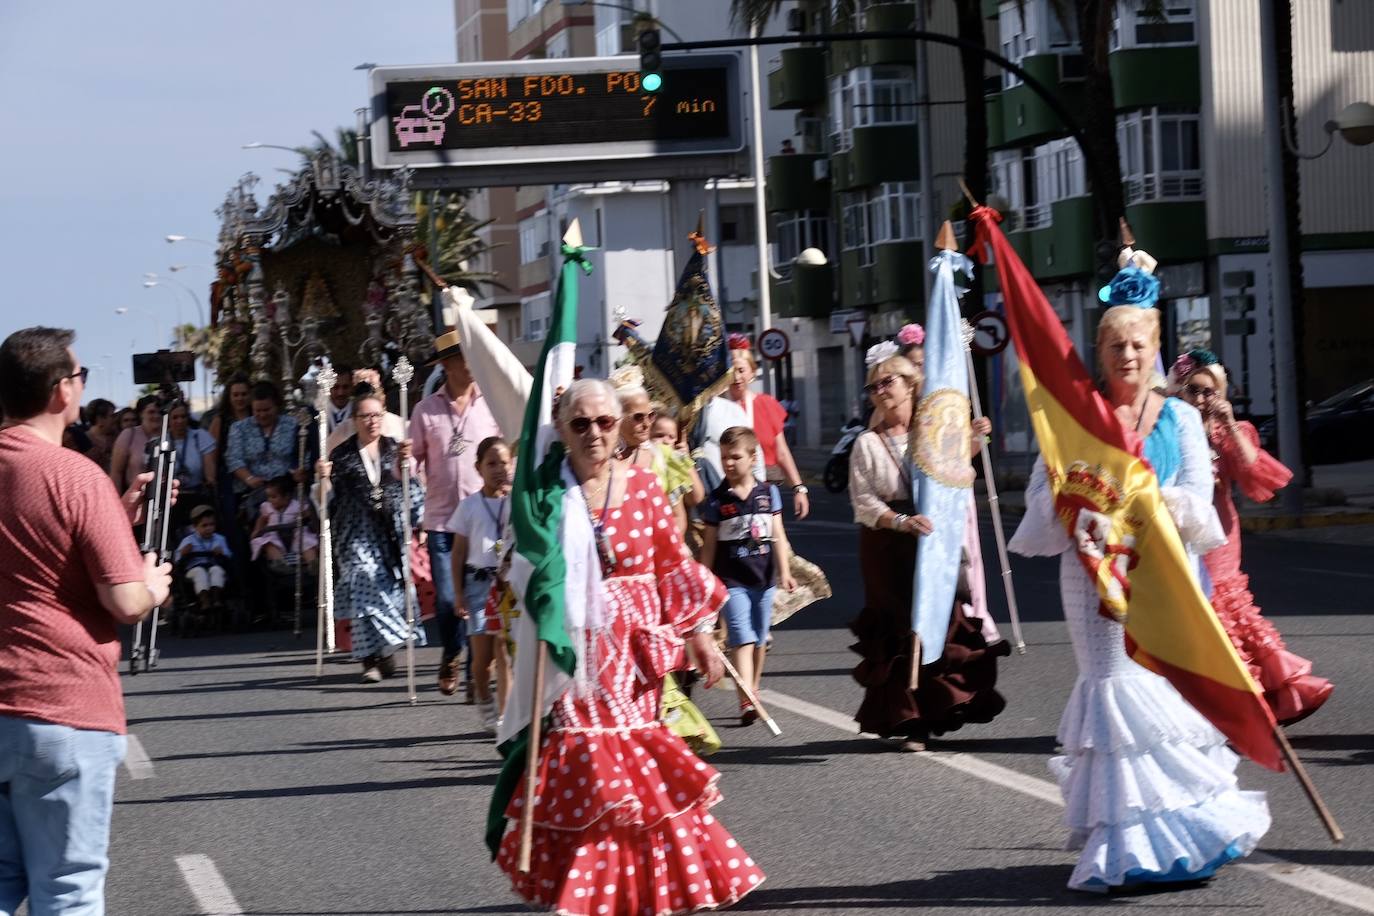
(69, 572)
(445, 430)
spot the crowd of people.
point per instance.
(677, 555)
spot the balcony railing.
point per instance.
(1165, 186)
(1036, 216)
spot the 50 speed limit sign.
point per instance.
(773, 343)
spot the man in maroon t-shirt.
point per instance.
(70, 571)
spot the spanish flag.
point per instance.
(1109, 500)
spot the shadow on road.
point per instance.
(344, 788)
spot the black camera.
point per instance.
(164, 368)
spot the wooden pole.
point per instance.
(749, 694)
(1305, 781)
(532, 761)
(429, 272)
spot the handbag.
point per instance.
(685, 720)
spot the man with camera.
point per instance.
(70, 572)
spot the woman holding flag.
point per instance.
(1149, 785)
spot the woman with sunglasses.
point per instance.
(365, 513)
(621, 819)
(1290, 688)
(960, 687)
(676, 472)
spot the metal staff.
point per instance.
(402, 375)
(993, 503)
(157, 525)
(302, 433)
(324, 627)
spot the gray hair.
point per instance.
(628, 394)
(584, 389)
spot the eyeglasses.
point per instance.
(882, 384)
(580, 425)
(367, 417)
(641, 417)
(1200, 391)
(83, 373)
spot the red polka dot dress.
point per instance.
(622, 823)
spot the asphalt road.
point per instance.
(266, 791)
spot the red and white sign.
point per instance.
(990, 334)
(773, 343)
(858, 327)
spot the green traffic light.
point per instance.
(652, 82)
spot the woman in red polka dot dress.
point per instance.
(622, 821)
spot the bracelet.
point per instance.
(801, 488)
(706, 626)
(898, 521)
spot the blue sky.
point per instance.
(124, 123)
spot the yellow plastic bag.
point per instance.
(686, 721)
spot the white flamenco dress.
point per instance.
(1149, 786)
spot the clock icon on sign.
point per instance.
(437, 103)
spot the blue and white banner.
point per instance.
(941, 457)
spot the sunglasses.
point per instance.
(881, 384)
(1199, 391)
(83, 373)
(642, 417)
(580, 425)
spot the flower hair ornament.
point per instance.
(627, 377)
(911, 335)
(1135, 282)
(738, 341)
(881, 351)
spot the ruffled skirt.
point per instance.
(1149, 787)
(622, 825)
(1290, 688)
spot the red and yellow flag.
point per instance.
(1109, 500)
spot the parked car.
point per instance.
(1339, 429)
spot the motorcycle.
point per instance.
(836, 477)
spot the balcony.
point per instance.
(799, 81)
(1176, 230)
(888, 17)
(883, 152)
(806, 291)
(1166, 76)
(792, 183)
(1024, 116)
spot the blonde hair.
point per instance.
(1216, 371)
(1118, 321)
(748, 355)
(896, 365)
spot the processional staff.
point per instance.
(324, 630)
(402, 375)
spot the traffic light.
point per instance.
(650, 59)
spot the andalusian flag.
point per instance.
(1109, 500)
(539, 569)
(941, 451)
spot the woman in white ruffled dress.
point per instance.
(1149, 785)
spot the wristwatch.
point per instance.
(800, 488)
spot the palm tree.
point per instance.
(452, 238)
(344, 147)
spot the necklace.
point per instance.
(457, 441)
(604, 550)
(496, 519)
(1140, 415)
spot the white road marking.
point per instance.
(136, 759)
(1303, 877)
(208, 887)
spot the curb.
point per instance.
(1256, 524)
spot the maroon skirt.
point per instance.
(960, 687)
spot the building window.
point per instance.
(1133, 26)
(866, 96)
(885, 213)
(534, 238)
(536, 313)
(798, 230)
(1018, 25)
(616, 34)
(737, 225)
(854, 229)
(1160, 155)
(1030, 181)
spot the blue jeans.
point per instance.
(56, 793)
(452, 631)
(748, 615)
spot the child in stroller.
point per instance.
(202, 563)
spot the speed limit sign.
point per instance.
(773, 343)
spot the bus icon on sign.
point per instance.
(414, 126)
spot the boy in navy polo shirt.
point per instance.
(745, 546)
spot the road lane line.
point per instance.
(1303, 877)
(208, 887)
(136, 759)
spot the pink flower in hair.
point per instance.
(911, 335)
(1183, 368)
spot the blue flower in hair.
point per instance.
(1131, 286)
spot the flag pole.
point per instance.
(1328, 821)
(532, 761)
(946, 242)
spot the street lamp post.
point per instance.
(173, 239)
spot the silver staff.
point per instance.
(302, 436)
(324, 632)
(402, 375)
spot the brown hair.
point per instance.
(489, 443)
(739, 435)
(32, 362)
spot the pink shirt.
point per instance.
(434, 427)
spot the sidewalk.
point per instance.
(1341, 494)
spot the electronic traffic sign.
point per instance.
(569, 111)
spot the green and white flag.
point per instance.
(556, 593)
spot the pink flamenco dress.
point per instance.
(622, 821)
(1289, 686)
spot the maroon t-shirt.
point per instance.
(63, 531)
